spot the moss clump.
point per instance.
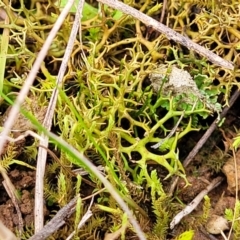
(109, 109)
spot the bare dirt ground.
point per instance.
(209, 163)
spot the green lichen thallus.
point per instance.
(157, 145)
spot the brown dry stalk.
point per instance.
(28, 83)
(170, 34)
(31, 76)
(192, 205)
(5, 233)
(16, 205)
(57, 221)
(47, 123)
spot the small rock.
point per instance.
(217, 224)
(230, 172)
(178, 82)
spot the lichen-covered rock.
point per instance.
(178, 82)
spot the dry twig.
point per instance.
(16, 205)
(60, 218)
(29, 81)
(58, 221)
(5, 233)
(84, 219)
(160, 143)
(210, 130)
(170, 34)
(164, 8)
(192, 205)
(93, 169)
(204, 138)
(236, 193)
(47, 123)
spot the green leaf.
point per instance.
(228, 214)
(188, 235)
(89, 12)
(236, 142)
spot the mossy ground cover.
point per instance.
(109, 110)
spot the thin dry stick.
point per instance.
(57, 221)
(72, 173)
(3, 56)
(160, 143)
(208, 235)
(47, 123)
(192, 205)
(205, 137)
(4, 51)
(23, 136)
(117, 233)
(29, 81)
(208, 133)
(164, 8)
(236, 193)
(5, 233)
(60, 218)
(84, 219)
(16, 205)
(171, 34)
(94, 170)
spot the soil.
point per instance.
(213, 160)
(21, 177)
(24, 182)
